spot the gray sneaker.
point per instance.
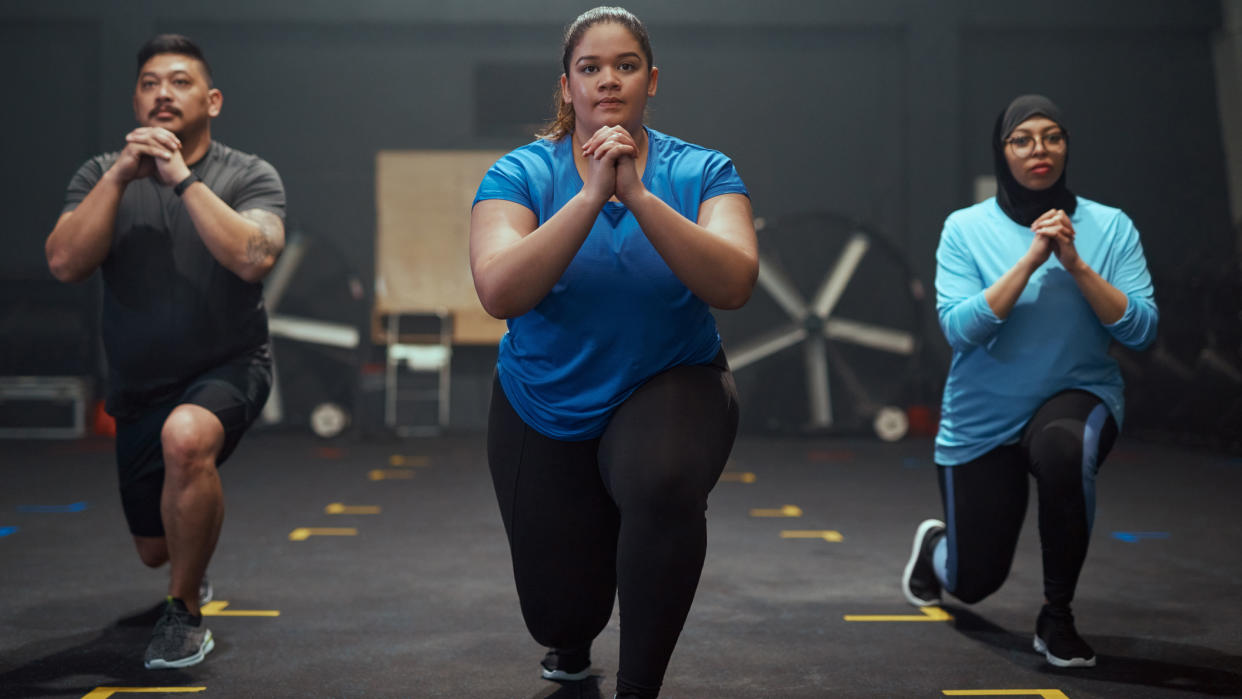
(177, 641)
(205, 591)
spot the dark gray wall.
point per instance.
(877, 110)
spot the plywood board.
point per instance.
(422, 246)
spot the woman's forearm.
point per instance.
(718, 262)
(1108, 302)
(513, 269)
(1003, 294)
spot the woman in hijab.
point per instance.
(1032, 286)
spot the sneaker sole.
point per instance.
(161, 664)
(1042, 648)
(562, 676)
(914, 559)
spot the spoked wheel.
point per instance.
(314, 301)
(329, 420)
(839, 307)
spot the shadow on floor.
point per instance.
(1120, 660)
(584, 689)
(83, 662)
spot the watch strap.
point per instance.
(185, 184)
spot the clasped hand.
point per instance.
(1054, 234)
(612, 164)
(152, 151)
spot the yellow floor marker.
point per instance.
(216, 608)
(825, 534)
(105, 692)
(388, 474)
(304, 533)
(403, 460)
(929, 614)
(1045, 693)
(338, 508)
(783, 511)
(737, 477)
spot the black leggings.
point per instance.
(623, 514)
(985, 500)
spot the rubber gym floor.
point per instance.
(380, 569)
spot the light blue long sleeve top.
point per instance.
(1003, 370)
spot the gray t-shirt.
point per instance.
(170, 310)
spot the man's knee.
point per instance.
(152, 550)
(191, 437)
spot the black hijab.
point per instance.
(1019, 203)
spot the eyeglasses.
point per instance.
(1023, 146)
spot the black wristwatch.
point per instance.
(185, 184)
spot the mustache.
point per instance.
(164, 108)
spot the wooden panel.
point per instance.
(422, 248)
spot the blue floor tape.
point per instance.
(5, 531)
(1131, 537)
(75, 507)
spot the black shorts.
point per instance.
(234, 392)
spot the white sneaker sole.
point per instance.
(562, 676)
(914, 559)
(1041, 647)
(161, 664)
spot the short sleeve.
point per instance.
(262, 189)
(509, 180)
(720, 177)
(81, 184)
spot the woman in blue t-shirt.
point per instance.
(1032, 287)
(604, 243)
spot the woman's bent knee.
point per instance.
(976, 590)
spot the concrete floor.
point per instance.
(419, 602)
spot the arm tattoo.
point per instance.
(263, 243)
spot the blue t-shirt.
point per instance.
(618, 315)
(1004, 370)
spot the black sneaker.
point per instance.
(566, 665)
(179, 639)
(919, 582)
(1058, 640)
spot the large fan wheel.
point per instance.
(310, 349)
(839, 307)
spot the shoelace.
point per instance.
(171, 620)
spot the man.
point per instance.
(184, 229)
